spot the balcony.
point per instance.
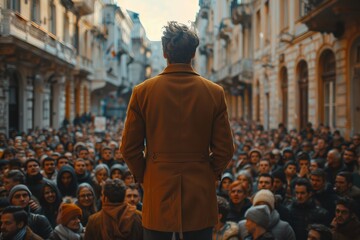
(14, 28)
(241, 13)
(330, 16)
(84, 7)
(225, 29)
(84, 65)
(243, 69)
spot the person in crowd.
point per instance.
(319, 232)
(344, 186)
(355, 143)
(334, 165)
(254, 158)
(345, 224)
(20, 196)
(133, 197)
(223, 188)
(281, 230)
(304, 211)
(34, 179)
(101, 174)
(82, 174)
(225, 230)
(14, 225)
(61, 161)
(49, 171)
(324, 194)
(246, 180)
(83, 152)
(86, 200)
(290, 175)
(257, 222)
(116, 219)
(303, 162)
(12, 178)
(128, 177)
(349, 160)
(238, 202)
(117, 171)
(50, 201)
(242, 161)
(66, 181)
(107, 156)
(69, 227)
(321, 152)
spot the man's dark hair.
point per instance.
(179, 42)
(59, 158)
(18, 213)
(320, 173)
(352, 150)
(31, 160)
(47, 159)
(223, 208)
(114, 190)
(347, 175)
(303, 156)
(15, 175)
(303, 182)
(325, 232)
(347, 202)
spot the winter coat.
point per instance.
(265, 236)
(69, 190)
(305, 214)
(326, 198)
(115, 221)
(183, 119)
(40, 225)
(235, 214)
(230, 231)
(281, 230)
(348, 231)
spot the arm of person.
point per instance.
(221, 146)
(132, 143)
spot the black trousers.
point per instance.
(204, 234)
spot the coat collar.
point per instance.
(179, 68)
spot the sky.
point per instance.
(154, 14)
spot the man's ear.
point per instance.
(20, 225)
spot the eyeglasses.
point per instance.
(86, 196)
(342, 212)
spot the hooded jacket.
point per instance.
(69, 190)
(281, 230)
(115, 221)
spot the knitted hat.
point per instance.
(19, 187)
(68, 211)
(266, 196)
(259, 215)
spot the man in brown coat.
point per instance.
(182, 119)
(117, 219)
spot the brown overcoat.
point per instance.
(182, 119)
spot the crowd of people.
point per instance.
(72, 183)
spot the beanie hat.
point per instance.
(68, 211)
(19, 187)
(266, 196)
(259, 215)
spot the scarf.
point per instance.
(65, 233)
(19, 236)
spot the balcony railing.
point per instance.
(241, 13)
(243, 69)
(13, 24)
(85, 64)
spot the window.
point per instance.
(35, 11)
(13, 5)
(284, 14)
(257, 101)
(303, 93)
(66, 36)
(328, 67)
(268, 24)
(284, 94)
(52, 18)
(258, 30)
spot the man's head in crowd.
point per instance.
(264, 166)
(319, 232)
(303, 160)
(265, 181)
(290, 169)
(344, 210)
(302, 190)
(334, 158)
(80, 166)
(318, 179)
(306, 146)
(279, 182)
(83, 152)
(32, 167)
(116, 171)
(61, 161)
(132, 195)
(356, 140)
(255, 156)
(321, 144)
(287, 154)
(49, 165)
(59, 148)
(257, 219)
(343, 182)
(19, 195)
(13, 220)
(349, 156)
(113, 191)
(89, 164)
(106, 154)
(13, 178)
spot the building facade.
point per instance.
(305, 58)
(59, 59)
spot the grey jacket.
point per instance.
(281, 230)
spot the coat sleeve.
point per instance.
(222, 146)
(132, 143)
(90, 229)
